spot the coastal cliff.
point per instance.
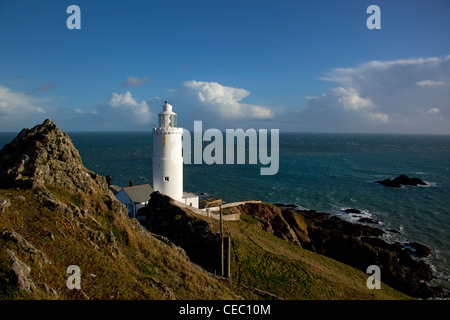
(55, 213)
(355, 244)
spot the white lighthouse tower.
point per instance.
(167, 155)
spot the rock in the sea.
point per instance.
(350, 210)
(417, 249)
(368, 220)
(401, 180)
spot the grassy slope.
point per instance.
(258, 259)
(144, 263)
(264, 261)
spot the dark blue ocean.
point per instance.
(326, 172)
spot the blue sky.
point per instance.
(292, 65)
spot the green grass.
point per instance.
(132, 274)
(264, 261)
(259, 259)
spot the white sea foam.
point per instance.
(429, 184)
(355, 217)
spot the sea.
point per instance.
(324, 172)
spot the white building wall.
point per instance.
(192, 201)
(132, 207)
(125, 199)
(168, 162)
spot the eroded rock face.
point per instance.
(161, 216)
(43, 156)
(273, 220)
(355, 244)
(21, 273)
(25, 247)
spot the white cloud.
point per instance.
(126, 102)
(135, 81)
(383, 96)
(351, 100)
(79, 111)
(433, 111)
(18, 109)
(221, 100)
(17, 103)
(379, 117)
(429, 83)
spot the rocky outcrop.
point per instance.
(402, 180)
(4, 204)
(21, 273)
(56, 213)
(25, 247)
(163, 217)
(271, 220)
(43, 156)
(360, 246)
(355, 244)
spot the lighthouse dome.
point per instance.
(167, 108)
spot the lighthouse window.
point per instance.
(166, 178)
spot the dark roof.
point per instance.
(115, 189)
(139, 193)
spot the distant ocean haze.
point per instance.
(325, 172)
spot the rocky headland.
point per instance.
(56, 213)
(355, 244)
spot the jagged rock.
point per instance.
(274, 217)
(25, 247)
(161, 216)
(168, 294)
(19, 197)
(50, 291)
(368, 220)
(417, 249)
(402, 180)
(4, 203)
(350, 210)
(113, 248)
(69, 209)
(21, 273)
(169, 243)
(44, 156)
(352, 243)
(360, 246)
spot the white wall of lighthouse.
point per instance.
(167, 155)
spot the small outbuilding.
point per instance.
(135, 197)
